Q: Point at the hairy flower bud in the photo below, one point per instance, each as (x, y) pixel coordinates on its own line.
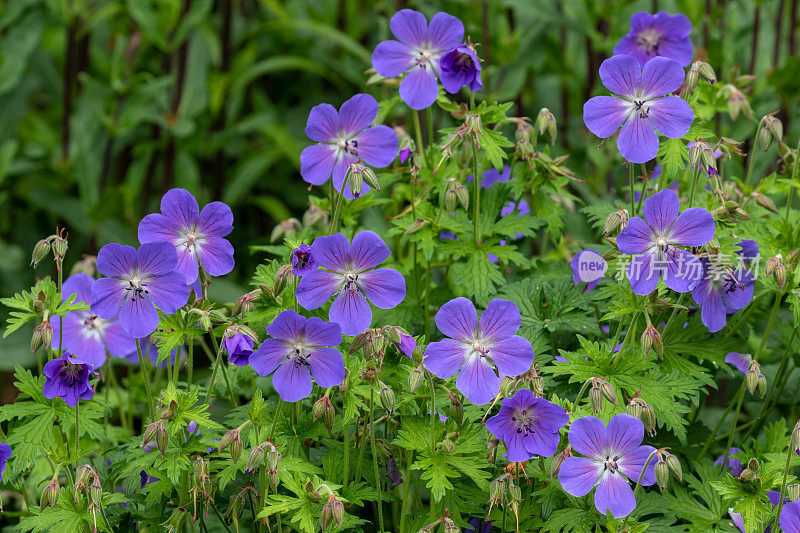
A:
(355, 178)
(415, 379)
(616, 221)
(60, 246)
(255, 459)
(450, 526)
(450, 200)
(282, 279)
(793, 492)
(463, 196)
(764, 138)
(795, 440)
(50, 493)
(244, 304)
(696, 153)
(761, 386)
(674, 464)
(42, 336)
(474, 126)
(751, 378)
(150, 433)
(775, 126)
(608, 392)
(651, 340)
(312, 493)
(558, 459)
(690, 84)
(332, 511)
(662, 474)
(456, 409)
(753, 464)
(596, 399)
(40, 252)
(285, 228)
(546, 122)
(706, 71)
(648, 418)
(737, 103)
(747, 475)
(764, 201)
(96, 492)
(324, 408)
(162, 438)
(236, 447)
(634, 409)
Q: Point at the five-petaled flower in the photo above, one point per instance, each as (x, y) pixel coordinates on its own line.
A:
(344, 138)
(302, 260)
(471, 347)
(198, 236)
(418, 51)
(642, 108)
(722, 291)
(528, 426)
(138, 282)
(298, 349)
(86, 334)
(350, 272)
(461, 67)
(615, 459)
(68, 378)
(656, 240)
(659, 35)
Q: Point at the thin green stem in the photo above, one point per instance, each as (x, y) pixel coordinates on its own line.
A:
(782, 493)
(476, 206)
(214, 372)
(695, 176)
(77, 431)
(375, 456)
(433, 411)
(407, 495)
(711, 436)
(641, 195)
(429, 121)
(751, 163)
(580, 395)
(275, 419)
(638, 484)
(733, 425)
(189, 365)
(346, 473)
(145, 378)
(338, 208)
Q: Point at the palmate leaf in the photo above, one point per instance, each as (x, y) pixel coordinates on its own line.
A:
(23, 303)
(748, 499)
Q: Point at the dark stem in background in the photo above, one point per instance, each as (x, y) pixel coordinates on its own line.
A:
(66, 97)
(793, 28)
(180, 58)
(754, 46)
(776, 51)
(594, 58)
(706, 25)
(485, 31)
(225, 66)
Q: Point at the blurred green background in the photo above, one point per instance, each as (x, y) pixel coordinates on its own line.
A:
(107, 104)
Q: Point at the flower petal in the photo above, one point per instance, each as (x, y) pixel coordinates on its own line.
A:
(478, 381)
(139, 317)
(681, 50)
(500, 424)
(694, 227)
(513, 355)
(643, 273)
(624, 433)
(541, 442)
(327, 366)
(445, 358)
(712, 311)
(117, 341)
(320, 333)
(637, 141)
(216, 254)
(661, 76)
(181, 207)
(384, 287)
(293, 382)
(587, 435)
(357, 113)
(392, 58)
(316, 163)
(187, 265)
(631, 465)
(323, 123)
(444, 32)
(661, 210)
(269, 355)
(216, 219)
(80, 285)
(671, 116)
(156, 258)
(157, 227)
(107, 296)
(604, 115)
(621, 75)
(500, 320)
(458, 319)
(742, 293)
(419, 89)
(333, 252)
(740, 360)
(116, 260)
(515, 444)
(683, 270)
(636, 237)
(409, 27)
(351, 311)
(579, 475)
(614, 494)
(168, 292)
(367, 251)
(287, 326)
(377, 146)
(317, 287)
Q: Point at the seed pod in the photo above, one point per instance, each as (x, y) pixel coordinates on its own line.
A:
(456, 409)
(40, 252)
(450, 200)
(648, 418)
(675, 465)
(415, 379)
(162, 438)
(255, 459)
(596, 399)
(662, 474)
(463, 196)
(793, 492)
(608, 392)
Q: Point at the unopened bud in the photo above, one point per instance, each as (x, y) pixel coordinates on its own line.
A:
(765, 201)
(662, 474)
(608, 392)
(236, 447)
(772, 264)
(634, 409)
(150, 433)
(450, 526)
(456, 409)
(795, 440)
(616, 220)
(312, 493)
(162, 438)
(50, 493)
(761, 386)
(753, 464)
(706, 71)
(474, 125)
(558, 460)
(42, 336)
(417, 225)
(244, 304)
(355, 179)
(415, 379)
(793, 492)
(546, 122)
(273, 460)
(463, 196)
(255, 459)
(596, 399)
(332, 512)
(648, 418)
(775, 126)
(282, 278)
(40, 252)
(764, 138)
(690, 84)
(84, 266)
(675, 465)
(651, 339)
(448, 445)
(369, 177)
(450, 200)
(747, 475)
(324, 408)
(96, 492)
(60, 246)
(751, 378)
(696, 153)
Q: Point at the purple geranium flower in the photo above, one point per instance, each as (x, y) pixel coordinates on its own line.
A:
(476, 526)
(789, 520)
(405, 153)
(239, 348)
(68, 378)
(302, 260)
(299, 346)
(740, 360)
(197, 235)
(492, 176)
(139, 282)
(735, 465)
(84, 333)
(473, 346)
(642, 108)
(721, 292)
(407, 345)
(5, 453)
(656, 238)
(417, 51)
(528, 426)
(615, 459)
(350, 272)
(461, 67)
(345, 137)
(659, 35)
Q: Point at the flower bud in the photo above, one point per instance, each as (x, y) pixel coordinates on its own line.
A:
(515, 492)
(450, 526)
(333, 511)
(463, 196)
(674, 464)
(150, 433)
(312, 493)
(634, 409)
(448, 445)
(761, 386)
(85, 266)
(793, 492)
(795, 440)
(450, 200)
(747, 475)
(162, 437)
(415, 379)
(558, 459)
(690, 84)
(764, 138)
(537, 385)
(648, 418)
(60, 246)
(546, 122)
(765, 201)
(706, 71)
(775, 126)
(596, 399)
(42, 336)
(608, 392)
(696, 153)
(96, 492)
(751, 378)
(255, 459)
(737, 103)
(50, 493)
(474, 126)
(282, 278)
(40, 252)
(753, 464)
(324, 408)
(284, 228)
(236, 447)
(244, 304)
(651, 339)
(456, 409)
(369, 177)
(662, 474)
(355, 179)
(315, 215)
(616, 220)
